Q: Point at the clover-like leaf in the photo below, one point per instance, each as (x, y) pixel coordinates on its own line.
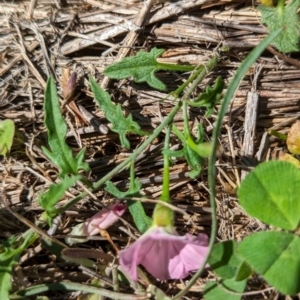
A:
(218, 291)
(283, 16)
(271, 193)
(226, 262)
(275, 256)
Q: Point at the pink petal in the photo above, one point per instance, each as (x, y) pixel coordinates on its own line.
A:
(165, 255)
(105, 218)
(102, 220)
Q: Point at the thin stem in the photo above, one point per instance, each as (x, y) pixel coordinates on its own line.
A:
(200, 76)
(174, 67)
(165, 196)
(132, 157)
(280, 4)
(70, 286)
(246, 64)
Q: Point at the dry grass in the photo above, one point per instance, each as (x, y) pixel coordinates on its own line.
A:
(51, 36)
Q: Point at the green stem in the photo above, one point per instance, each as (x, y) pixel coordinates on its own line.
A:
(164, 216)
(165, 196)
(174, 67)
(246, 64)
(132, 157)
(196, 77)
(280, 4)
(281, 136)
(70, 286)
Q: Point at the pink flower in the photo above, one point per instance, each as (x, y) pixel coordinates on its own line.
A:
(165, 254)
(102, 220)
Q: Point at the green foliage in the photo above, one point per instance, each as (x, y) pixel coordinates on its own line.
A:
(193, 159)
(227, 264)
(218, 291)
(275, 256)
(7, 131)
(49, 199)
(271, 193)
(287, 17)
(142, 67)
(9, 256)
(141, 220)
(114, 114)
(210, 97)
(60, 154)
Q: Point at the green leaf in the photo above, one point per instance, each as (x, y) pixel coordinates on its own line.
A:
(227, 264)
(114, 114)
(60, 154)
(210, 97)
(141, 220)
(275, 256)
(192, 151)
(283, 16)
(7, 131)
(142, 67)
(271, 193)
(217, 291)
(49, 199)
(9, 256)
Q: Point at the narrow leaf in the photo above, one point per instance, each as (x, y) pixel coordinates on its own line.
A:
(60, 153)
(114, 114)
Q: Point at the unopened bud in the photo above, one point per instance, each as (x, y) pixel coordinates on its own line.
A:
(69, 88)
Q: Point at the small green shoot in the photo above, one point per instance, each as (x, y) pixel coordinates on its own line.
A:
(9, 257)
(142, 67)
(210, 97)
(283, 16)
(60, 154)
(114, 114)
(7, 131)
(193, 159)
(49, 199)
